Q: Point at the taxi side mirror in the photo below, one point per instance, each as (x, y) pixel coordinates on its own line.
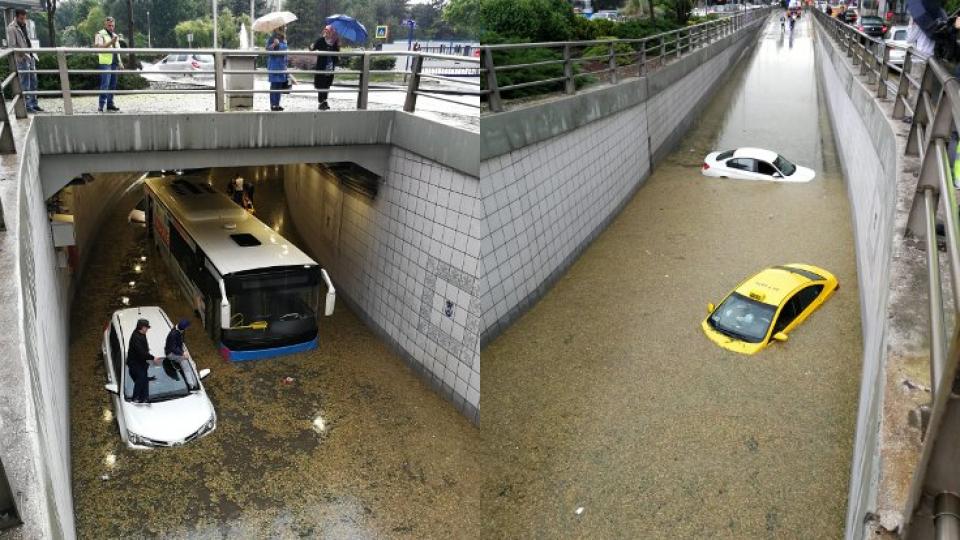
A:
(710, 308)
(204, 372)
(112, 388)
(780, 336)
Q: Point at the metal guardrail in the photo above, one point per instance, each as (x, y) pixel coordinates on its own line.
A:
(933, 105)
(413, 77)
(645, 54)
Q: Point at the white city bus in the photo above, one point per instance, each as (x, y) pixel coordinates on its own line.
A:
(256, 293)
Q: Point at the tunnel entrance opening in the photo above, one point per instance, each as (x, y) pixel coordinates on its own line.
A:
(282, 419)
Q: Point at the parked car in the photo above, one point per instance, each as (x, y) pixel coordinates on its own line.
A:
(176, 413)
(138, 216)
(850, 16)
(767, 306)
(189, 64)
(897, 38)
(754, 164)
(872, 26)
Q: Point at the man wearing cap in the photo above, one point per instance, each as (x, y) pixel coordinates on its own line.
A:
(138, 360)
(175, 351)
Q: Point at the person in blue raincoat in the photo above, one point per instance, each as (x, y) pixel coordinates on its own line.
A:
(278, 63)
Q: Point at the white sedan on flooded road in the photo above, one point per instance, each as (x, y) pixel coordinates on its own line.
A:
(754, 164)
(178, 409)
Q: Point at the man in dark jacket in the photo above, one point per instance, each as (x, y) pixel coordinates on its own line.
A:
(328, 42)
(138, 360)
(175, 352)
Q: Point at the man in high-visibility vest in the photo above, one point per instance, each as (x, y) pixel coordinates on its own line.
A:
(108, 39)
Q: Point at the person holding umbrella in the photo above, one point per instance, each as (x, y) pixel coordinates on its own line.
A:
(329, 42)
(277, 66)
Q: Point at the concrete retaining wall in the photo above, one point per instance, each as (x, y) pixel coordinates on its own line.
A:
(891, 272)
(35, 403)
(544, 201)
(400, 257)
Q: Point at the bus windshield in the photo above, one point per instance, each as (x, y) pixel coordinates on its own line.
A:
(273, 296)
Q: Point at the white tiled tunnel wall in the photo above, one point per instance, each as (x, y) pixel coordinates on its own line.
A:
(407, 259)
(543, 201)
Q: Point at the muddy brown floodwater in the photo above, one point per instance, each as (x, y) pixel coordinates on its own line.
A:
(393, 459)
(607, 396)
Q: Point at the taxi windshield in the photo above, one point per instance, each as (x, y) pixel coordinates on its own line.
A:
(742, 318)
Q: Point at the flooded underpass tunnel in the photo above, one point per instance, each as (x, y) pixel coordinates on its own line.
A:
(342, 441)
(615, 417)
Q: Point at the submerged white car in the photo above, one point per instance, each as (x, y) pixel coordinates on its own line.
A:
(754, 164)
(177, 412)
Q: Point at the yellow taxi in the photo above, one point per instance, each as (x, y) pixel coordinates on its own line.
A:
(767, 306)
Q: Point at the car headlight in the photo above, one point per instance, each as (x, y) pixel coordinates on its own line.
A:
(133, 438)
(212, 423)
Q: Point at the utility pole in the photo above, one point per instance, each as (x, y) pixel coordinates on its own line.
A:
(215, 36)
(149, 41)
(253, 17)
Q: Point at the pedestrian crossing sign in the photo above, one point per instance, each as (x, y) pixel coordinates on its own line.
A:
(383, 32)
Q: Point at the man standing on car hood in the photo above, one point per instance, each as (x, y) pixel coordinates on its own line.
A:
(138, 360)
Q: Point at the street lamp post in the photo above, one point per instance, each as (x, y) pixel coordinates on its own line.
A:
(149, 41)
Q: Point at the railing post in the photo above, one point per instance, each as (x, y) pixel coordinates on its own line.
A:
(20, 106)
(642, 59)
(493, 98)
(569, 84)
(364, 90)
(413, 86)
(679, 43)
(219, 101)
(903, 86)
(64, 81)
(613, 63)
(7, 144)
(661, 53)
(884, 72)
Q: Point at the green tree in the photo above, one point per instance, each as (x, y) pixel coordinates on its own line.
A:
(531, 20)
(464, 16)
(202, 30)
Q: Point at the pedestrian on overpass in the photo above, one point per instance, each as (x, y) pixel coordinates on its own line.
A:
(17, 38)
(327, 42)
(277, 66)
(108, 39)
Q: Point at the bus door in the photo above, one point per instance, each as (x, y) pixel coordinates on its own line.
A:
(209, 285)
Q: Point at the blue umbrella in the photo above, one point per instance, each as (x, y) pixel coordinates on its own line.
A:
(348, 28)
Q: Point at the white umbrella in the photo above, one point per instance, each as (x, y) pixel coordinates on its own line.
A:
(272, 21)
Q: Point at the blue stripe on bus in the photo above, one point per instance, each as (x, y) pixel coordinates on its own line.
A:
(242, 356)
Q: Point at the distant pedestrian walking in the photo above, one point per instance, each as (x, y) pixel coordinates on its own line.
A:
(277, 64)
(108, 39)
(328, 42)
(176, 352)
(17, 38)
(235, 189)
(138, 361)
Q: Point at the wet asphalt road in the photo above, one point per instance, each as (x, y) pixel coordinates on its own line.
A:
(393, 458)
(606, 396)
